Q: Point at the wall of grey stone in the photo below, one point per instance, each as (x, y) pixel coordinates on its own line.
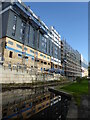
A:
(3, 26)
(13, 76)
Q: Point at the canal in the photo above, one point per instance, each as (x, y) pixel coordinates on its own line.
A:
(47, 104)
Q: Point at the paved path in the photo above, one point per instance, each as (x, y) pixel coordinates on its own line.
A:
(73, 111)
(79, 112)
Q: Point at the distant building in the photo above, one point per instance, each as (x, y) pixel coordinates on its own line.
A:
(84, 67)
(71, 61)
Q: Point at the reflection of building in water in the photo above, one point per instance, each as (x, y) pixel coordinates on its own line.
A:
(24, 105)
(84, 67)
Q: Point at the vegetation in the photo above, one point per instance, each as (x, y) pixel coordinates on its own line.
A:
(77, 89)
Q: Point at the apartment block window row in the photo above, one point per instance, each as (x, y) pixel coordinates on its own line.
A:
(22, 31)
(14, 25)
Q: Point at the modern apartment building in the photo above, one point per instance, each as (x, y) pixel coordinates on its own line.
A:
(26, 40)
(71, 61)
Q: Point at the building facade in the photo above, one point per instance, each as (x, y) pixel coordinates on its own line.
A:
(27, 42)
(71, 61)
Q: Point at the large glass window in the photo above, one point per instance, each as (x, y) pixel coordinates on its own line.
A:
(33, 37)
(38, 39)
(55, 51)
(28, 33)
(49, 46)
(44, 44)
(52, 49)
(14, 25)
(22, 31)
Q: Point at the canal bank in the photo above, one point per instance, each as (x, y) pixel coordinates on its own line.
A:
(80, 112)
(79, 106)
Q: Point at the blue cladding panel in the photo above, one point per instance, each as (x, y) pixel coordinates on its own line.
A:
(9, 48)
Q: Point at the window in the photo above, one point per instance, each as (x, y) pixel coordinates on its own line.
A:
(45, 63)
(19, 46)
(41, 55)
(30, 104)
(14, 25)
(19, 55)
(44, 98)
(34, 37)
(26, 57)
(43, 43)
(31, 51)
(10, 54)
(43, 106)
(36, 53)
(38, 39)
(52, 49)
(47, 57)
(37, 60)
(32, 58)
(25, 48)
(9, 42)
(33, 111)
(22, 30)
(48, 63)
(49, 46)
(28, 33)
(5, 114)
(41, 61)
(39, 108)
(28, 113)
(23, 106)
(47, 104)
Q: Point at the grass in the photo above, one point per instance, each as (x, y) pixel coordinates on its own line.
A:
(77, 89)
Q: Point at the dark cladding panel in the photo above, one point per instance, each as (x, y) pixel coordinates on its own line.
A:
(10, 24)
(27, 34)
(5, 5)
(14, 19)
(48, 46)
(51, 48)
(59, 53)
(31, 36)
(4, 23)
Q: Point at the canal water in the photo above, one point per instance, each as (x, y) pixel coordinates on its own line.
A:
(56, 111)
